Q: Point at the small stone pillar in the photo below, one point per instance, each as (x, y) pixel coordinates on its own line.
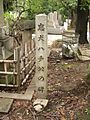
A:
(41, 55)
(55, 17)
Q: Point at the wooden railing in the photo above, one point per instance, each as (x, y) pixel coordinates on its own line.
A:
(16, 71)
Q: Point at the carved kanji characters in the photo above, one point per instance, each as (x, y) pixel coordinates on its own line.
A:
(41, 37)
(40, 68)
(41, 78)
(41, 89)
(41, 27)
(40, 58)
(40, 48)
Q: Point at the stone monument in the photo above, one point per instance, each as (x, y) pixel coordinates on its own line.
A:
(41, 55)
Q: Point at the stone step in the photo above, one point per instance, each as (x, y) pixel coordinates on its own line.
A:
(5, 105)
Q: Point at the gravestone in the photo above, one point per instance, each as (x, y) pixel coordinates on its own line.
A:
(60, 19)
(66, 26)
(55, 18)
(50, 19)
(41, 55)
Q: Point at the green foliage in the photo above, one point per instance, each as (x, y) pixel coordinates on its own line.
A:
(32, 7)
(8, 17)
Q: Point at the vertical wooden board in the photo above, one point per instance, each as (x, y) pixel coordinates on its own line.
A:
(5, 65)
(17, 57)
(41, 55)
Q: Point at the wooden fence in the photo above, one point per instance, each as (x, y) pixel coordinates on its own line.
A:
(17, 70)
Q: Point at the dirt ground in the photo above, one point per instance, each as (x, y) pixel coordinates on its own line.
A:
(68, 93)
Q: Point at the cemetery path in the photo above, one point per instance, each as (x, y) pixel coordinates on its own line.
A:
(68, 93)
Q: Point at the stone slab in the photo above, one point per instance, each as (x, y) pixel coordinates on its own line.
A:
(40, 101)
(5, 105)
(84, 58)
(31, 87)
(85, 51)
(26, 96)
(56, 31)
(18, 96)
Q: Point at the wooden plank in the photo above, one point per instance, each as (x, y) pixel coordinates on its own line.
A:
(4, 85)
(26, 77)
(27, 64)
(5, 105)
(8, 61)
(17, 57)
(8, 73)
(29, 53)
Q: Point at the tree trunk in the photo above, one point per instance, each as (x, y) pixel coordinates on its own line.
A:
(81, 24)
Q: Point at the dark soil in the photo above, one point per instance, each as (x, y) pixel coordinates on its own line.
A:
(68, 94)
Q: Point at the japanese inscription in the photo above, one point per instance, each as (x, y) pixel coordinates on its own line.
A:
(41, 55)
(40, 58)
(41, 27)
(41, 38)
(41, 89)
(41, 78)
(40, 48)
(40, 68)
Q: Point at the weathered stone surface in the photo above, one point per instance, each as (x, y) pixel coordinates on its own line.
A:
(5, 105)
(85, 51)
(26, 24)
(40, 104)
(41, 55)
(56, 31)
(84, 58)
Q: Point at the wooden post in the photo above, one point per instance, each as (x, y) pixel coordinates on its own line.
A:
(5, 64)
(17, 57)
(26, 57)
(41, 55)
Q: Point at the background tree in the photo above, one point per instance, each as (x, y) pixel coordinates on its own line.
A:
(27, 9)
(82, 20)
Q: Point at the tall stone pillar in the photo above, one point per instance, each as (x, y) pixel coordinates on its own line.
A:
(41, 55)
(1, 14)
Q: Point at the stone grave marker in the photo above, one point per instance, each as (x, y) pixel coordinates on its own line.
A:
(50, 19)
(41, 55)
(55, 18)
(65, 25)
(60, 19)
